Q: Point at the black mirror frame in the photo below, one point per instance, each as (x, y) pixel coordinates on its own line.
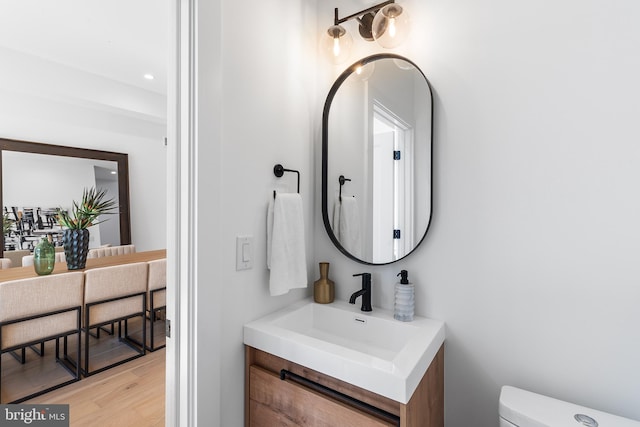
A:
(59, 150)
(325, 151)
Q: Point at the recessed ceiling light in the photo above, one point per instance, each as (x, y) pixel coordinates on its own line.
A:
(114, 173)
(149, 76)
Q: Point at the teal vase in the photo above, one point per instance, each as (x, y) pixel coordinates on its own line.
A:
(44, 257)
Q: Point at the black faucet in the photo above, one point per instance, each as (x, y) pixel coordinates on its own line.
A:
(365, 292)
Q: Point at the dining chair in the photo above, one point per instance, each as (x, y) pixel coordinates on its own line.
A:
(111, 251)
(16, 256)
(156, 296)
(37, 310)
(28, 259)
(114, 294)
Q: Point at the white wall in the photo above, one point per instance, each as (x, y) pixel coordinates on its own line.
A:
(532, 256)
(256, 108)
(46, 102)
(50, 184)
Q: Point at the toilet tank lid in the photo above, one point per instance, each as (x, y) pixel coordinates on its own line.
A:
(526, 409)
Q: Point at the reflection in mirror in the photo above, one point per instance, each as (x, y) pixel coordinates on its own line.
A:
(39, 178)
(377, 136)
(35, 185)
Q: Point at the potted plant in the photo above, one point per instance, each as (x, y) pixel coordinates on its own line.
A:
(83, 215)
(6, 225)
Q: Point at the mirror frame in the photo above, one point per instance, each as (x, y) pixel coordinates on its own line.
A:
(325, 151)
(59, 150)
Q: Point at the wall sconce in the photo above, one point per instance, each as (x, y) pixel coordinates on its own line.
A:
(387, 23)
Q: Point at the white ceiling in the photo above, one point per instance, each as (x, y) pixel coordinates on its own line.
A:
(118, 39)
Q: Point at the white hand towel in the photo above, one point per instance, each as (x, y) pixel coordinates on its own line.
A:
(269, 229)
(349, 228)
(286, 249)
(335, 220)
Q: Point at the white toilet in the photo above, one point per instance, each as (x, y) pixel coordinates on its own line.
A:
(521, 408)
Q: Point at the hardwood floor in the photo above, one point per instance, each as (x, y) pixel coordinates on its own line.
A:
(131, 394)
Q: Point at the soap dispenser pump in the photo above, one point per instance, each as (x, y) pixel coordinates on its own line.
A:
(404, 303)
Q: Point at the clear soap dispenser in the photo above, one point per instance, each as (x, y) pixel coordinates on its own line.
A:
(404, 303)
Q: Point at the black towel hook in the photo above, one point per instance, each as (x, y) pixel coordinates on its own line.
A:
(342, 180)
(279, 170)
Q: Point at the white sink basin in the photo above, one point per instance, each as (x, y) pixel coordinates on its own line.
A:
(370, 350)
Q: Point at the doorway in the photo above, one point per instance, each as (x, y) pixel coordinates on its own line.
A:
(393, 222)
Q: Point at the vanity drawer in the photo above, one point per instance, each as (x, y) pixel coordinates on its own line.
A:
(273, 401)
(310, 398)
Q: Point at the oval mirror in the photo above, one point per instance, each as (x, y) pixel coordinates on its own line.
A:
(377, 129)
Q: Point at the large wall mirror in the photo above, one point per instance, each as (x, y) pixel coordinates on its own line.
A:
(36, 179)
(376, 159)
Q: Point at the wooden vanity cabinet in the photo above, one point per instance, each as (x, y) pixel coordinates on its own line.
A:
(271, 401)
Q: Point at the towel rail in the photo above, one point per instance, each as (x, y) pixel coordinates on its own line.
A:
(342, 180)
(279, 170)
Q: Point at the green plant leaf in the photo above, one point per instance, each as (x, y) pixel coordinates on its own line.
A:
(85, 214)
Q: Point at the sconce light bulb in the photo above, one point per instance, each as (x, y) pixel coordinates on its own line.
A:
(336, 46)
(337, 42)
(390, 26)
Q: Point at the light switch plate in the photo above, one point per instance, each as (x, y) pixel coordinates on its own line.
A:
(244, 252)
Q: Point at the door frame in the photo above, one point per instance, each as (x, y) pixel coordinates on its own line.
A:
(193, 356)
(180, 390)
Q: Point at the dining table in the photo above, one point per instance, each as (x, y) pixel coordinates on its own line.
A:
(17, 273)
